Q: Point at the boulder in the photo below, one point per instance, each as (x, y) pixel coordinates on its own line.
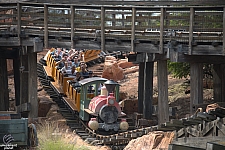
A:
(123, 63)
(112, 70)
(44, 105)
(154, 140)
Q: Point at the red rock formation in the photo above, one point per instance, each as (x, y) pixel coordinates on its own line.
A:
(154, 140)
(112, 70)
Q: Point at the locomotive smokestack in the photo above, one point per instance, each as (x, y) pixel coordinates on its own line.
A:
(110, 85)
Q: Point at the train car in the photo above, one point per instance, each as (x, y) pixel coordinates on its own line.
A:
(95, 98)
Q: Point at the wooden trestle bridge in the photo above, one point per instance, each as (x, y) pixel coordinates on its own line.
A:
(152, 31)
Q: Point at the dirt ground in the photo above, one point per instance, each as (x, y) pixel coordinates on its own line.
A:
(129, 86)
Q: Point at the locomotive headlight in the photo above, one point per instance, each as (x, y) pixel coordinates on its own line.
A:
(111, 101)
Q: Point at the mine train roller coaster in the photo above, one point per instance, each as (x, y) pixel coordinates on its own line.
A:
(93, 112)
(95, 99)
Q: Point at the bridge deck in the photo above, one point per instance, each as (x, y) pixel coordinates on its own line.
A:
(196, 30)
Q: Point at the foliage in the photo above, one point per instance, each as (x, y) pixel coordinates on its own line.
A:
(179, 69)
(50, 141)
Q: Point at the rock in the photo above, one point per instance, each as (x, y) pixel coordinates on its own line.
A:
(122, 95)
(44, 105)
(154, 140)
(9, 66)
(110, 58)
(123, 63)
(112, 70)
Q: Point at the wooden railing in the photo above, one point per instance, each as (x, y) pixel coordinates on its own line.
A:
(127, 28)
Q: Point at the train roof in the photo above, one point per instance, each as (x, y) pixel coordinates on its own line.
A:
(88, 80)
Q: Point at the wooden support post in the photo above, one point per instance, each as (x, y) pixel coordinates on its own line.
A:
(141, 86)
(72, 10)
(46, 26)
(32, 83)
(102, 28)
(223, 31)
(148, 90)
(192, 13)
(219, 82)
(163, 106)
(19, 10)
(113, 20)
(4, 93)
(123, 20)
(133, 29)
(196, 74)
(161, 43)
(24, 89)
(16, 70)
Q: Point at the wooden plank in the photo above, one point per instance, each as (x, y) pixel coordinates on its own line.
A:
(90, 112)
(46, 26)
(223, 31)
(24, 79)
(4, 95)
(72, 10)
(161, 49)
(16, 66)
(196, 74)
(182, 147)
(25, 107)
(32, 83)
(103, 29)
(163, 114)
(192, 12)
(148, 90)
(70, 104)
(135, 3)
(58, 88)
(133, 48)
(197, 142)
(141, 87)
(19, 11)
(215, 146)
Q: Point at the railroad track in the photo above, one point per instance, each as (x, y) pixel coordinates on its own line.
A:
(182, 127)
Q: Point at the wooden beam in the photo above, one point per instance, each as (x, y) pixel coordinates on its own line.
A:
(72, 10)
(135, 3)
(4, 93)
(133, 29)
(161, 43)
(180, 57)
(19, 11)
(32, 83)
(16, 70)
(24, 89)
(218, 82)
(141, 86)
(223, 31)
(24, 108)
(45, 26)
(163, 104)
(196, 74)
(148, 90)
(9, 54)
(102, 29)
(192, 13)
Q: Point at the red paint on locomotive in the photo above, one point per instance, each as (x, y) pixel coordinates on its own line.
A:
(101, 100)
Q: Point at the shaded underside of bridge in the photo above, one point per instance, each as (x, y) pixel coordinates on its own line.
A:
(150, 31)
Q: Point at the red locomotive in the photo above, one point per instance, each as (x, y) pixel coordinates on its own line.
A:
(107, 110)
